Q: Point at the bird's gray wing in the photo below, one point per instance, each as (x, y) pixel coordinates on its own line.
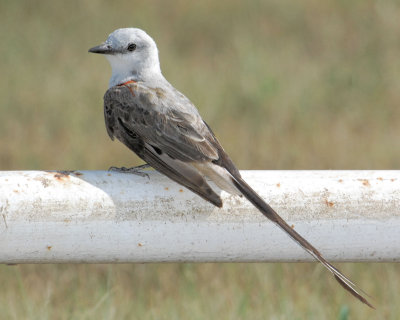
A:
(160, 121)
(157, 126)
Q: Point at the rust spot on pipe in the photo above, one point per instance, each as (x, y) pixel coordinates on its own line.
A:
(166, 188)
(278, 185)
(140, 244)
(329, 203)
(340, 180)
(49, 247)
(180, 190)
(62, 176)
(365, 182)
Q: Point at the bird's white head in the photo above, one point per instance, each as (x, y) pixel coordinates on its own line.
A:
(133, 55)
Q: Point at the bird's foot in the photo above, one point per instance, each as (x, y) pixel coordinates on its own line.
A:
(133, 170)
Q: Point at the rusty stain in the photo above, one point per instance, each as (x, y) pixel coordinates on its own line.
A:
(62, 175)
(292, 226)
(180, 190)
(67, 220)
(393, 179)
(16, 191)
(166, 188)
(109, 174)
(278, 184)
(340, 180)
(49, 247)
(140, 244)
(365, 182)
(380, 178)
(329, 203)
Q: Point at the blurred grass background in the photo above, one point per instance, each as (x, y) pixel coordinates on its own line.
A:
(284, 85)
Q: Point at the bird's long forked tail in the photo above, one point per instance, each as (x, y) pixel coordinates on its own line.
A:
(270, 213)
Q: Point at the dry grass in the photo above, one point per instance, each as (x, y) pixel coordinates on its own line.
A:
(285, 85)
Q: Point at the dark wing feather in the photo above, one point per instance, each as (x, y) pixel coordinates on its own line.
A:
(162, 137)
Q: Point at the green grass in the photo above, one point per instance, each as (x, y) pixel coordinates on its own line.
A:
(284, 85)
(193, 291)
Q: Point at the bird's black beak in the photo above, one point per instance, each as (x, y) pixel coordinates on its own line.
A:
(104, 48)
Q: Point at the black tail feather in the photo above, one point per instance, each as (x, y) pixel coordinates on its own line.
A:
(270, 213)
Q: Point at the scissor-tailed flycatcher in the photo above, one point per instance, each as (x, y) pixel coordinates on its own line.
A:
(157, 122)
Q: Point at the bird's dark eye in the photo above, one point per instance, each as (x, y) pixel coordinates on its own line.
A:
(131, 47)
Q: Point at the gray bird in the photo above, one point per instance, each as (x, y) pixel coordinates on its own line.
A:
(157, 122)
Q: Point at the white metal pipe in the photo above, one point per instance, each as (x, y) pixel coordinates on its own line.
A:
(98, 216)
